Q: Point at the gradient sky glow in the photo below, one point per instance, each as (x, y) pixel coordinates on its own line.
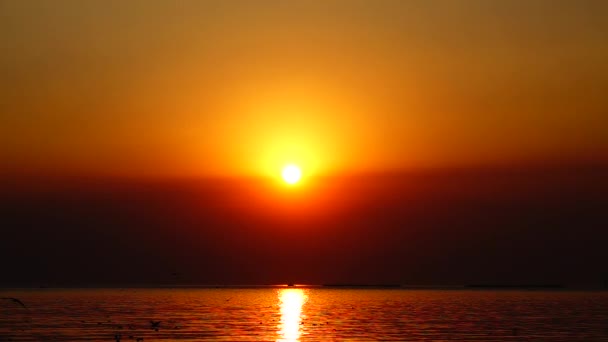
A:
(455, 142)
(242, 87)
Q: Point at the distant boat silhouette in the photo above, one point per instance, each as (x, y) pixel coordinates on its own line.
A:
(291, 284)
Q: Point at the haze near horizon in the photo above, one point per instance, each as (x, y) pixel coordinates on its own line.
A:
(262, 142)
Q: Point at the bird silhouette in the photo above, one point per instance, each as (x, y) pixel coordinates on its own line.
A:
(14, 300)
(155, 325)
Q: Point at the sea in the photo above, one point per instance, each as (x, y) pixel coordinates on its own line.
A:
(302, 314)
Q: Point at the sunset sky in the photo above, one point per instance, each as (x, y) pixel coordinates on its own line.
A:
(200, 88)
(454, 141)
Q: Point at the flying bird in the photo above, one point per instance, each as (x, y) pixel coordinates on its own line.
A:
(155, 325)
(14, 300)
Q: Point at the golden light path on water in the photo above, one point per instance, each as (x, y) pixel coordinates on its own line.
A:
(291, 302)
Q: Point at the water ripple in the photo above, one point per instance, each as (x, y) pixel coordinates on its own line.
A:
(315, 314)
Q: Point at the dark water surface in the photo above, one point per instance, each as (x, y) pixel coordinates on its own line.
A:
(294, 314)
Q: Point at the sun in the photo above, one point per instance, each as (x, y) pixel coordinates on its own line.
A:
(291, 174)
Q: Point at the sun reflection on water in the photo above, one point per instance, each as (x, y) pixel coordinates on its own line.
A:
(291, 302)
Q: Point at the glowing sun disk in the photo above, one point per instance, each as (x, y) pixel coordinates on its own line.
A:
(291, 174)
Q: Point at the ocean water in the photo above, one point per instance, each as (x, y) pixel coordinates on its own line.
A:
(302, 314)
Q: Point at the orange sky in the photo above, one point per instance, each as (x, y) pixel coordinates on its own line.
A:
(243, 87)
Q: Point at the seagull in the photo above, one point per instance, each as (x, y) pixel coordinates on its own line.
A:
(155, 325)
(14, 300)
